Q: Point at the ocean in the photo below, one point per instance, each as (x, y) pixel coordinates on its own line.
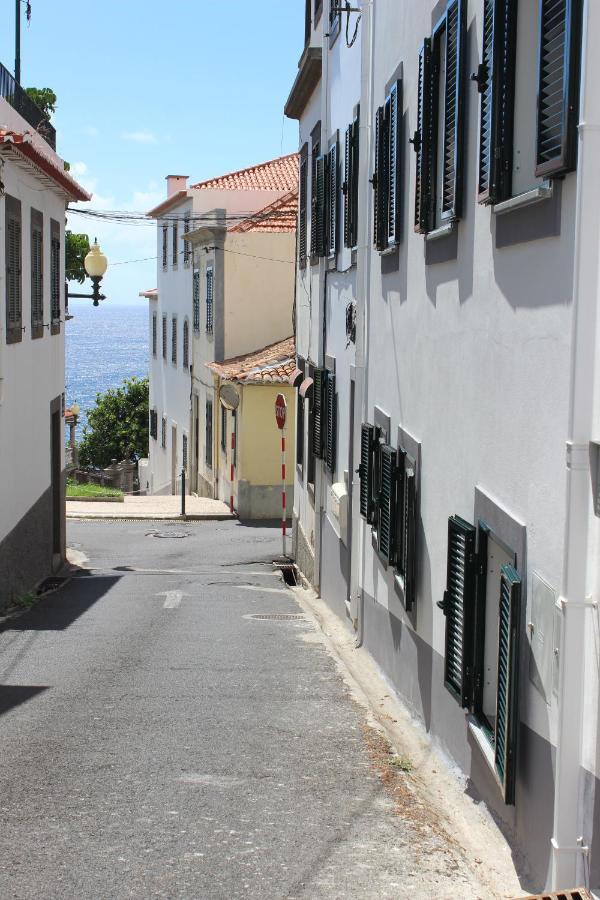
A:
(104, 345)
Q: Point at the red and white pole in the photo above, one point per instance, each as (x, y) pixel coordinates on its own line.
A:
(232, 471)
(283, 497)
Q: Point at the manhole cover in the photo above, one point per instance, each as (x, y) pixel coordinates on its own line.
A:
(277, 616)
(175, 535)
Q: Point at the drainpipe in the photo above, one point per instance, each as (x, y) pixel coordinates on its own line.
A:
(357, 574)
(578, 603)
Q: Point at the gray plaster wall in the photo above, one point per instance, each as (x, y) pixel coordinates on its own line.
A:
(334, 574)
(26, 551)
(302, 551)
(259, 501)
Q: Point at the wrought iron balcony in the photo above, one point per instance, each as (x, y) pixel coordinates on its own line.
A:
(14, 94)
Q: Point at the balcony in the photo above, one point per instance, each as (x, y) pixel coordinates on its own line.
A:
(14, 94)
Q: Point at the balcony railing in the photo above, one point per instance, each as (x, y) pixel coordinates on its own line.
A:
(14, 94)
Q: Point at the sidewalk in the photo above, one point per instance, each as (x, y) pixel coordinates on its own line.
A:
(152, 508)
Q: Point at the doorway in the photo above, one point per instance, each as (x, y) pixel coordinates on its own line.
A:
(56, 491)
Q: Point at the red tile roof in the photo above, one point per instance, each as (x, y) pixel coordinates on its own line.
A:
(270, 365)
(22, 144)
(279, 174)
(279, 216)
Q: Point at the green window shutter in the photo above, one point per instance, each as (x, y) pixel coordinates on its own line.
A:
(354, 183)
(458, 607)
(558, 86)
(13, 270)
(55, 280)
(346, 187)
(379, 182)
(496, 86)
(421, 142)
(37, 263)
(303, 199)
(196, 301)
(365, 471)
(331, 430)
(452, 149)
(393, 115)
(164, 246)
(210, 281)
(386, 506)
(317, 412)
(507, 714)
(320, 230)
(409, 536)
(332, 199)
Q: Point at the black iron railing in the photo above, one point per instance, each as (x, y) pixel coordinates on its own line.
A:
(14, 94)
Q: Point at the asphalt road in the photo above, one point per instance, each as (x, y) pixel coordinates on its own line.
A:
(158, 741)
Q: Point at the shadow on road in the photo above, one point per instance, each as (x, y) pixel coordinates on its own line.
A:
(13, 695)
(59, 610)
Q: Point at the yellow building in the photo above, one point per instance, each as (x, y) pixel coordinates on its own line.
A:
(246, 449)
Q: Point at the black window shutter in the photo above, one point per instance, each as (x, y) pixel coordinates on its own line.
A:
(453, 111)
(386, 506)
(302, 247)
(393, 116)
(365, 472)
(317, 412)
(347, 187)
(379, 182)
(330, 441)
(422, 142)
(507, 718)
(37, 267)
(320, 231)
(558, 86)
(196, 300)
(410, 536)
(354, 179)
(458, 607)
(13, 270)
(55, 285)
(332, 199)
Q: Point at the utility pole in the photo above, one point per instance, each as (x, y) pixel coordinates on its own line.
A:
(18, 41)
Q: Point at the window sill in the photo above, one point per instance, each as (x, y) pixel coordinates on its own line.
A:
(543, 192)
(389, 250)
(441, 232)
(483, 742)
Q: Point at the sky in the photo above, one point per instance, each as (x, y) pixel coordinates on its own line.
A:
(148, 88)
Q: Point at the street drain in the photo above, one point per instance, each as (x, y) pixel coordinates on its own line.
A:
(165, 535)
(288, 570)
(278, 616)
(50, 584)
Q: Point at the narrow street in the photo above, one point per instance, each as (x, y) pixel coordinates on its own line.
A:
(159, 740)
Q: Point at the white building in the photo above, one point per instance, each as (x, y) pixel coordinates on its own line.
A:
(465, 389)
(233, 197)
(34, 192)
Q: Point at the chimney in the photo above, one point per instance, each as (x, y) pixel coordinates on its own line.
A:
(176, 183)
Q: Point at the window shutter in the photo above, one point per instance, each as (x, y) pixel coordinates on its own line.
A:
(154, 336)
(365, 472)
(422, 142)
(507, 718)
(13, 270)
(174, 340)
(453, 111)
(393, 115)
(187, 253)
(354, 175)
(458, 607)
(332, 199)
(164, 337)
(330, 443)
(409, 535)
(209, 299)
(302, 203)
(558, 91)
(495, 83)
(164, 247)
(186, 344)
(347, 187)
(320, 227)
(379, 182)
(196, 300)
(37, 262)
(54, 272)
(386, 506)
(317, 412)
(175, 250)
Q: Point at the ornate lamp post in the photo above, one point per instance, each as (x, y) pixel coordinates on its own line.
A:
(95, 264)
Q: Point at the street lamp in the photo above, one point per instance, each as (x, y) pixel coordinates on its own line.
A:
(95, 264)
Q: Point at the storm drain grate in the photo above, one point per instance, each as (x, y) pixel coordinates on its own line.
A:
(166, 535)
(288, 570)
(50, 584)
(574, 894)
(278, 616)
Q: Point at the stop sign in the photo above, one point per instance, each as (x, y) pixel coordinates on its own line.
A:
(280, 410)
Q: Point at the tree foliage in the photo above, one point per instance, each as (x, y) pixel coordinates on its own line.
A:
(76, 249)
(44, 99)
(117, 426)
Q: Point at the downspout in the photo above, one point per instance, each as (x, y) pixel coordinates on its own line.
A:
(363, 262)
(578, 602)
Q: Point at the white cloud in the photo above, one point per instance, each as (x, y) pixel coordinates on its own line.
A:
(140, 137)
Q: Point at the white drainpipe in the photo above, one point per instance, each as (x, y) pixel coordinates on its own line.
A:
(578, 602)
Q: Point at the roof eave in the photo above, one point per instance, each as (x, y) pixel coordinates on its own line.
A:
(309, 75)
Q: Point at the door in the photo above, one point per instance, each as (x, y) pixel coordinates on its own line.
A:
(56, 485)
(174, 459)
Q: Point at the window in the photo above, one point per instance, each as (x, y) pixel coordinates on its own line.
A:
(332, 199)
(175, 249)
(330, 422)
(164, 247)
(209, 299)
(316, 240)
(300, 420)
(387, 174)
(482, 609)
(184, 452)
(235, 436)
(438, 140)
(325, 204)
(317, 416)
(187, 250)
(163, 433)
(350, 186)
(164, 337)
(37, 278)
(153, 424)
(223, 429)
(303, 199)
(186, 344)
(174, 340)
(14, 300)
(335, 20)
(55, 279)
(209, 434)
(196, 301)
(511, 97)
(154, 334)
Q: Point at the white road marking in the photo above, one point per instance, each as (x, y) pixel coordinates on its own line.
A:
(262, 590)
(173, 599)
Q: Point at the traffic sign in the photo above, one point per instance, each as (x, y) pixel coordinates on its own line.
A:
(280, 411)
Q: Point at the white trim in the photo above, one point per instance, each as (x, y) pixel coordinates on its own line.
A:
(442, 231)
(543, 192)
